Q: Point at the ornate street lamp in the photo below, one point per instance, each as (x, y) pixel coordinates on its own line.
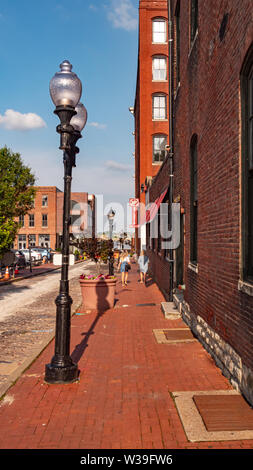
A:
(110, 217)
(65, 91)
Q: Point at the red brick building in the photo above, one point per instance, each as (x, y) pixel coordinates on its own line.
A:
(151, 100)
(212, 165)
(43, 223)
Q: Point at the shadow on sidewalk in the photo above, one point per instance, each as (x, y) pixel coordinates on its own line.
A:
(15, 289)
(100, 299)
(149, 281)
(80, 348)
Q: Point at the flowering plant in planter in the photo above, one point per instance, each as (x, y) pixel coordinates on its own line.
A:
(97, 250)
(91, 277)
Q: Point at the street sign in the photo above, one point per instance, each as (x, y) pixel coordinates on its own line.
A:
(133, 202)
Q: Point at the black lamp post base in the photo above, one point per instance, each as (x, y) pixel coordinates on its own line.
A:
(61, 375)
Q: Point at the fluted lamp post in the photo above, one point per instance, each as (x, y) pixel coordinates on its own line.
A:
(110, 217)
(65, 91)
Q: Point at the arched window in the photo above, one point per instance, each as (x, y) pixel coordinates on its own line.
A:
(159, 106)
(159, 31)
(159, 143)
(194, 18)
(159, 68)
(194, 200)
(247, 165)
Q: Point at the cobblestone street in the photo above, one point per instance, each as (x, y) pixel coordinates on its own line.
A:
(28, 324)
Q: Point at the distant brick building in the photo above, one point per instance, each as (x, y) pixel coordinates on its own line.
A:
(212, 155)
(43, 223)
(151, 100)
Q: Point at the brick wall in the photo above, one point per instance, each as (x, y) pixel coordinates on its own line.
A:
(54, 212)
(159, 264)
(79, 209)
(145, 126)
(37, 211)
(207, 103)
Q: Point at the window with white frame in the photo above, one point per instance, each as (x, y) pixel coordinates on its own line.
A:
(159, 68)
(31, 220)
(21, 242)
(159, 31)
(44, 240)
(159, 108)
(32, 240)
(159, 143)
(44, 201)
(44, 220)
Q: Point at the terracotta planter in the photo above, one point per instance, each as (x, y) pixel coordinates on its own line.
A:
(98, 294)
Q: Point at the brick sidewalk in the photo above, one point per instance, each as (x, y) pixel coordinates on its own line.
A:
(124, 397)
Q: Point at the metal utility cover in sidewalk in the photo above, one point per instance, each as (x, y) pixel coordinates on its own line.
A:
(214, 419)
(174, 335)
(225, 413)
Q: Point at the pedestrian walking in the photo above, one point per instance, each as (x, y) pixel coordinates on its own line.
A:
(124, 266)
(143, 262)
(134, 257)
(116, 257)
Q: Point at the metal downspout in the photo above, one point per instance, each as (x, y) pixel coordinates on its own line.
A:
(171, 143)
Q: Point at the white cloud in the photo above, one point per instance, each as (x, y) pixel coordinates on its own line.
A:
(97, 125)
(116, 166)
(93, 7)
(13, 120)
(115, 187)
(123, 15)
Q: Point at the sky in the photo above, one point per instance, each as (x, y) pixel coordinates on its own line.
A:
(100, 39)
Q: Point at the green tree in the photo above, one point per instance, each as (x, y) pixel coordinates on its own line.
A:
(16, 195)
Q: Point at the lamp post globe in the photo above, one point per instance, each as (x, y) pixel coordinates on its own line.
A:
(79, 120)
(111, 214)
(65, 90)
(65, 86)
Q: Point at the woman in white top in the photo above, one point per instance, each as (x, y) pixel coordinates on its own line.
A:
(123, 266)
(143, 264)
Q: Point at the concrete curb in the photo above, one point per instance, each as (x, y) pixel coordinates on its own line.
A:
(33, 354)
(16, 279)
(14, 376)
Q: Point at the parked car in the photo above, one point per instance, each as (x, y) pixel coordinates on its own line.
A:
(20, 260)
(12, 258)
(43, 251)
(35, 255)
